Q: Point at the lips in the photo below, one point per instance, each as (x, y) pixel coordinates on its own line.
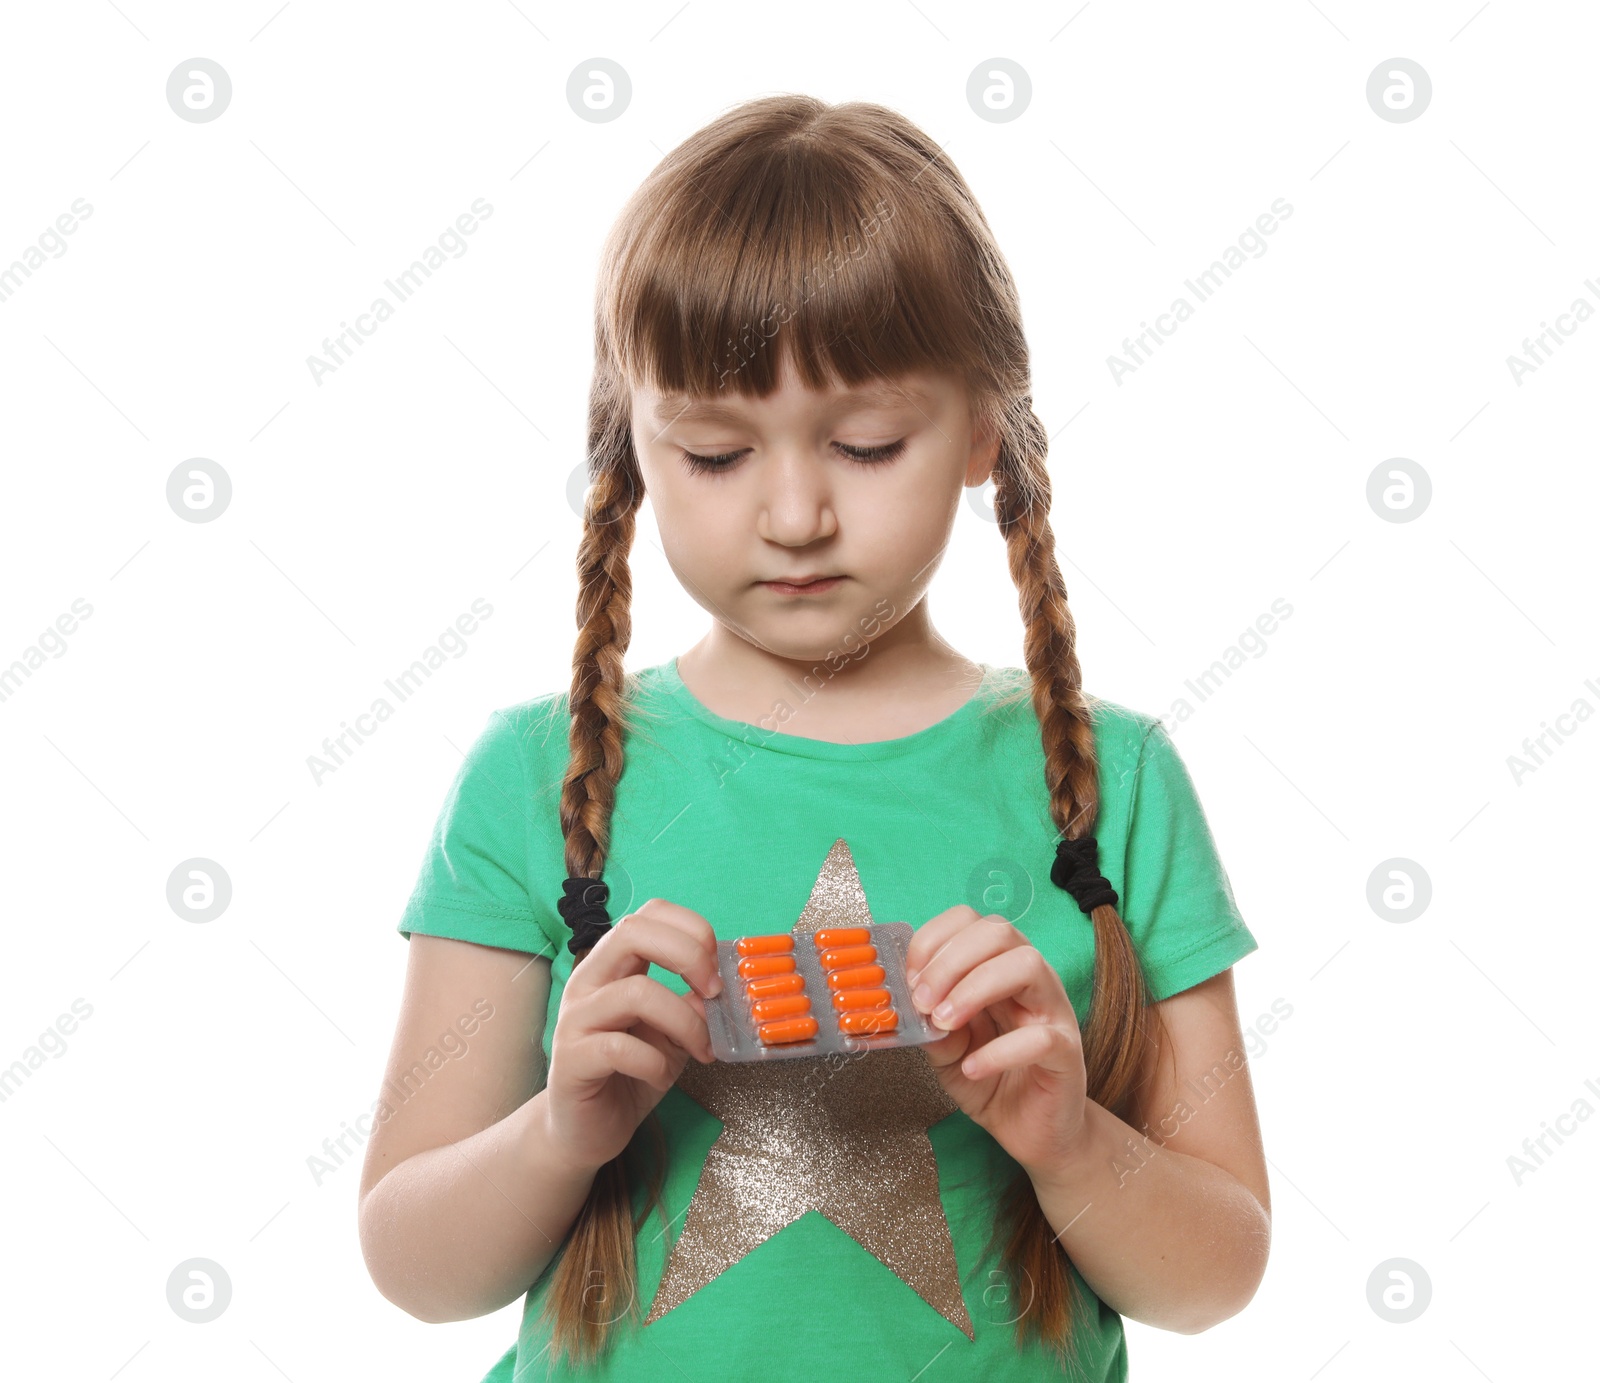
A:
(804, 585)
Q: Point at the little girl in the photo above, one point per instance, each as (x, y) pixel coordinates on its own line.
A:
(807, 345)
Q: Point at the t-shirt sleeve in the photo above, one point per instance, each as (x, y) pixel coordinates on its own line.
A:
(474, 881)
(1177, 902)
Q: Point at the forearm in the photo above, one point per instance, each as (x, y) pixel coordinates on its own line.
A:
(462, 1230)
(1163, 1238)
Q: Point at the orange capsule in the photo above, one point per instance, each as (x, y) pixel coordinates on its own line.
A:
(787, 1030)
(869, 1020)
(855, 977)
(768, 985)
(764, 945)
(842, 936)
(751, 966)
(782, 1006)
(860, 998)
(839, 956)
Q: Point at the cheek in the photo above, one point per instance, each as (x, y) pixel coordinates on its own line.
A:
(697, 524)
(910, 520)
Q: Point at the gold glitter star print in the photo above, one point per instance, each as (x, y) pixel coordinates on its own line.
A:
(845, 1136)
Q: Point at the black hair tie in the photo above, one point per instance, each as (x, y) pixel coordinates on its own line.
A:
(583, 908)
(1077, 869)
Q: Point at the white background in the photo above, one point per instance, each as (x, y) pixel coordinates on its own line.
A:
(369, 511)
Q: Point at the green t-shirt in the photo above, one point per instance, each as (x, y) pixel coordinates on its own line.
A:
(736, 821)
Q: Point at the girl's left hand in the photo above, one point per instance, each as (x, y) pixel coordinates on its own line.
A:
(1013, 1057)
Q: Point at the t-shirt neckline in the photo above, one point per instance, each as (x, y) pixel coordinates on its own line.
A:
(760, 737)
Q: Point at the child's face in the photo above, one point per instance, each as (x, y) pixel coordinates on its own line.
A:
(789, 501)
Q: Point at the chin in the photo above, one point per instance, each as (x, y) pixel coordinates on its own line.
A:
(840, 642)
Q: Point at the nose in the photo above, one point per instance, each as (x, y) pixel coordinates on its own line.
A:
(796, 498)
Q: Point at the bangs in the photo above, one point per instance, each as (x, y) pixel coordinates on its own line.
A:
(827, 241)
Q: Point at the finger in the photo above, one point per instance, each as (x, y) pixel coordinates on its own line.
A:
(932, 935)
(660, 933)
(1040, 1045)
(983, 1028)
(969, 947)
(1018, 977)
(604, 1054)
(676, 1056)
(640, 999)
(949, 1049)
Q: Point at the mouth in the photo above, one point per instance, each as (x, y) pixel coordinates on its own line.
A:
(811, 586)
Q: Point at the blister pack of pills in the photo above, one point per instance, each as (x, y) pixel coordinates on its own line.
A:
(837, 989)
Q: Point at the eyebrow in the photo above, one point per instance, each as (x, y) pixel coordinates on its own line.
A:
(679, 409)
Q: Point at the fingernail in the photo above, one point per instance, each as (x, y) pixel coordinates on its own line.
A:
(921, 995)
(911, 976)
(943, 1012)
(715, 987)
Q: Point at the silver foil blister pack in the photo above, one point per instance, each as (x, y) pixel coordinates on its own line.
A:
(739, 1018)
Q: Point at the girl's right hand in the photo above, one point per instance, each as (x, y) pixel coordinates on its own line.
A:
(622, 1039)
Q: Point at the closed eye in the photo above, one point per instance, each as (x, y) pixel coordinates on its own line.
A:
(867, 456)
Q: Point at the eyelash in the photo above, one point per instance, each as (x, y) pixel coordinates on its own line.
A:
(866, 456)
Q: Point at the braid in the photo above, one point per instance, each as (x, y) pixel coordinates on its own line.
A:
(598, 1265)
(1120, 1024)
(605, 626)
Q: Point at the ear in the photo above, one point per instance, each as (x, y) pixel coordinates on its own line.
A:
(985, 452)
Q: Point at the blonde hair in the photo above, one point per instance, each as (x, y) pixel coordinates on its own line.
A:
(843, 235)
